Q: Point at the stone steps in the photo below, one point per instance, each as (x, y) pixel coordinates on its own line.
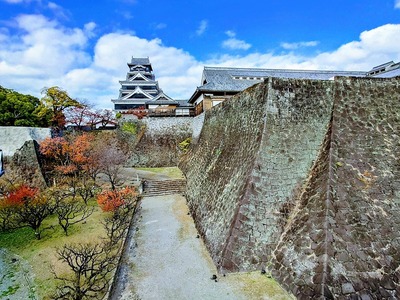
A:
(164, 187)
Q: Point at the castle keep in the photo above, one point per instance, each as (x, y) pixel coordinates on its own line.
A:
(141, 92)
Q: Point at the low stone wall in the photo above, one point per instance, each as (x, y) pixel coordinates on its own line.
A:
(303, 177)
(158, 147)
(13, 137)
(168, 126)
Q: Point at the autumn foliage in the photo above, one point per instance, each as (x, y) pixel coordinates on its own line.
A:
(111, 200)
(69, 154)
(19, 196)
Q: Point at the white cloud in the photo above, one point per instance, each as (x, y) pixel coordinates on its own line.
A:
(230, 33)
(233, 43)
(59, 11)
(397, 4)
(160, 26)
(202, 27)
(43, 48)
(293, 46)
(44, 53)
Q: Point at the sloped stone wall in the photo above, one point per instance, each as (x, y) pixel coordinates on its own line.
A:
(26, 162)
(253, 154)
(344, 240)
(304, 177)
(297, 113)
(215, 167)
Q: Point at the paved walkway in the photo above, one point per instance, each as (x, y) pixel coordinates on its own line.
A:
(165, 260)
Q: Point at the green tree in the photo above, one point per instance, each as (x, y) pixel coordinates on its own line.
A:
(55, 101)
(20, 110)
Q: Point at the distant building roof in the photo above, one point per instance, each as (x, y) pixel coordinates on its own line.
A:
(216, 79)
(388, 74)
(184, 103)
(389, 69)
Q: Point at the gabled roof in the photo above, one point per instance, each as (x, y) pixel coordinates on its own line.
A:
(237, 79)
(137, 90)
(162, 99)
(139, 75)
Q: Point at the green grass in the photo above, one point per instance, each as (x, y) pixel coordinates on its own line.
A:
(10, 291)
(172, 172)
(41, 254)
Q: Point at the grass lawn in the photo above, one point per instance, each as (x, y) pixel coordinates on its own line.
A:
(41, 254)
(172, 172)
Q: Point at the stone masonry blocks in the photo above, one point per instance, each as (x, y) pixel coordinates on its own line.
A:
(303, 176)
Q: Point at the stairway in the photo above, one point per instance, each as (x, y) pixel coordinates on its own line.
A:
(163, 187)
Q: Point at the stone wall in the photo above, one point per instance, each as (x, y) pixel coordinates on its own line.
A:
(158, 147)
(302, 177)
(297, 113)
(198, 122)
(26, 162)
(344, 239)
(12, 137)
(267, 137)
(216, 168)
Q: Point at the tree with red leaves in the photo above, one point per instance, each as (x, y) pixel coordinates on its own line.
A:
(30, 207)
(111, 200)
(70, 155)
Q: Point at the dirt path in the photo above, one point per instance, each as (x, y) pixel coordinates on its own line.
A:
(166, 260)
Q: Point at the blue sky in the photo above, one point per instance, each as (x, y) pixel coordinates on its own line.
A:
(83, 46)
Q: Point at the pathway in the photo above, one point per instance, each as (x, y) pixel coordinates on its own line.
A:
(166, 260)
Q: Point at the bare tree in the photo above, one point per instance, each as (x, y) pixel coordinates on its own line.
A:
(70, 212)
(117, 225)
(91, 265)
(87, 189)
(111, 164)
(107, 116)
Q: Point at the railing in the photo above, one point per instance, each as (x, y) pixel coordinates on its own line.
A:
(170, 113)
(159, 113)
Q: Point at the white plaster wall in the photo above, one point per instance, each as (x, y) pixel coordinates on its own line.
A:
(12, 138)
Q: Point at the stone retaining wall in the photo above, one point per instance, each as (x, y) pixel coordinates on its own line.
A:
(158, 147)
(303, 177)
(344, 239)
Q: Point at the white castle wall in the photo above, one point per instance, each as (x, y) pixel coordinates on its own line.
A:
(12, 137)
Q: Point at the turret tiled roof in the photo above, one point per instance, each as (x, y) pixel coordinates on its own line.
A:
(140, 61)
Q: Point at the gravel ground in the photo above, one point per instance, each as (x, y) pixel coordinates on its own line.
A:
(166, 260)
